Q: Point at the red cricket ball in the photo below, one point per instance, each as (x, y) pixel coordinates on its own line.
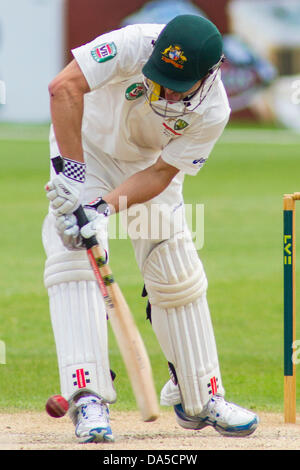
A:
(57, 406)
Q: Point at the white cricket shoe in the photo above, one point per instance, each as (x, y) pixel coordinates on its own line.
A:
(227, 418)
(92, 420)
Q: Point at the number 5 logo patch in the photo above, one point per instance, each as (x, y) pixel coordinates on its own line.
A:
(104, 52)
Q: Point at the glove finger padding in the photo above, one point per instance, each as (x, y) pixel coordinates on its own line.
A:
(68, 230)
(65, 222)
(71, 235)
(97, 213)
(96, 227)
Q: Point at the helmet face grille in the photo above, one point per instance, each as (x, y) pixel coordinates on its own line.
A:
(160, 105)
(174, 109)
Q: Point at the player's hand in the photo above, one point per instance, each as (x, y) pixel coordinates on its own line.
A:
(70, 233)
(97, 212)
(65, 190)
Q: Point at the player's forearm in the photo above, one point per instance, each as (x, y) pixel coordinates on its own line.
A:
(140, 187)
(66, 102)
(136, 190)
(66, 113)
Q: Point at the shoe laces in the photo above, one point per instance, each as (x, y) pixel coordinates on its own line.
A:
(218, 407)
(93, 410)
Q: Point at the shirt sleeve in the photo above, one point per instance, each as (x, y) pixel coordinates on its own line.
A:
(114, 56)
(190, 151)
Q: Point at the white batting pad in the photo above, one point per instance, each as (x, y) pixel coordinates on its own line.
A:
(176, 286)
(79, 324)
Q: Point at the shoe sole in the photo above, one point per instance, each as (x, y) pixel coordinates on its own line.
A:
(192, 425)
(187, 422)
(96, 436)
(241, 431)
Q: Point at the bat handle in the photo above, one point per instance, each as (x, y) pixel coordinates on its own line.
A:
(83, 220)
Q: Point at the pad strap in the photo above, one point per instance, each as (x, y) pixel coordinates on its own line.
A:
(67, 267)
(173, 273)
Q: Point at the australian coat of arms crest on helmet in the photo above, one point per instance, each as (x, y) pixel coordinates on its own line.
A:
(174, 55)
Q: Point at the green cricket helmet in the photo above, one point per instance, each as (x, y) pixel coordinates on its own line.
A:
(188, 49)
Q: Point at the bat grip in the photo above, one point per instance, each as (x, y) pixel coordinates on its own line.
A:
(83, 220)
(80, 215)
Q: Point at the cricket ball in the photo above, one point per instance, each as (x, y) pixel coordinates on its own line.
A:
(57, 406)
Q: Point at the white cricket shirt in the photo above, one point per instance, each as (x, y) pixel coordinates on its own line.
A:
(118, 119)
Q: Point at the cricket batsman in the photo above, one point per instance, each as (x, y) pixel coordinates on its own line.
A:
(134, 112)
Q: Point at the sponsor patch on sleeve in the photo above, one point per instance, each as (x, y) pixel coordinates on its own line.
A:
(135, 91)
(104, 52)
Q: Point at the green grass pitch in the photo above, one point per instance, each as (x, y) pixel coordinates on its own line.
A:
(241, 188)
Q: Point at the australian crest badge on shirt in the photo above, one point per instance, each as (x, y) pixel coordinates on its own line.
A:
(104, 52)
(180, 124)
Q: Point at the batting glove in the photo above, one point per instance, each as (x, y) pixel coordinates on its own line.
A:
(70, 233)
(65, 190)
(68, 230)
(98, 222)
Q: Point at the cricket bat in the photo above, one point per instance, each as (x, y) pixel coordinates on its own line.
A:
(128, 337)
(129, 340)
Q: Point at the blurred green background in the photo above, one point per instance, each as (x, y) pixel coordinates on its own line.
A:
(241, 188)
